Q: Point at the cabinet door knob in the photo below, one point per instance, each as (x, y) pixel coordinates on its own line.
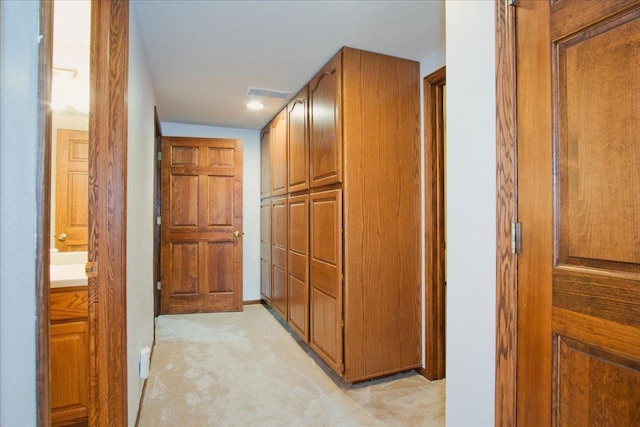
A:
(62, 237)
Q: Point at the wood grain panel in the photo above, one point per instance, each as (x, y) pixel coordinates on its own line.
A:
(297, 122)
(382, 214)
(184, 268)
(326, 333)
(221, 200)
(185, 155)
(265, 251)
(610, 396)
(279, 291)
(68, 305)
(265, 163)
(600, 183)
(219, 267)
(298, 265)
(107, 211)
(278, 143)
(184, 201)
(325, 124)
(221, 157)
(574, 15)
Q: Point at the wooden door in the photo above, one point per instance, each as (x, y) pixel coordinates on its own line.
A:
(201, 225)
(265, 163)
(298, 265)
(298, 142)
(278, 144)
(265, 251)
(325, 124)
(326, 329)
(279, 256)
(579, 204)
(72, 190)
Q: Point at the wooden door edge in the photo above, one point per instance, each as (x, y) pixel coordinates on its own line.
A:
(506, 214)
(434, 333)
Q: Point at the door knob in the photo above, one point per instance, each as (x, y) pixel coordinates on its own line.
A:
(62, 237)
(236, 233)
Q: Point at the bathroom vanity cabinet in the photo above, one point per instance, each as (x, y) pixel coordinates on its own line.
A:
(345, 232)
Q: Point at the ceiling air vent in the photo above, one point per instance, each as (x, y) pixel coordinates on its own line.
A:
(268, 93)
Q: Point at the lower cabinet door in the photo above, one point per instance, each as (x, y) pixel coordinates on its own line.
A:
(298, 265)
(279, 256)
(69, 372)
(326, 277)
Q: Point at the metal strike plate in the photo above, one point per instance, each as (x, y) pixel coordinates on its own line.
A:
(91, 269)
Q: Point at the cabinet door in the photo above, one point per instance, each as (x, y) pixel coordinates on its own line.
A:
(265, 251)
(279, 256)
(298, 265)
(325, 137)
(298, 142)
(326, 277)
(69, 371)
(279, 154)
(265, 163)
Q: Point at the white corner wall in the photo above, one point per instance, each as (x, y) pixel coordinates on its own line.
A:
(140, 212)
(19, 22)
(471, 219)
(250, 194)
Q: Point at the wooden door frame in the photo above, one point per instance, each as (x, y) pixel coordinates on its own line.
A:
(157, 209)
(107, 212)
(506, 214)
(434, 146)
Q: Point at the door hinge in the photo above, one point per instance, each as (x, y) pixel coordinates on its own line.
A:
(159, 285)
(159, 155)
(159, 220)
(513, 3)
(516, 237)
(91, 269)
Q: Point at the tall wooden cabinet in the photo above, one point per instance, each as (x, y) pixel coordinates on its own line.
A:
(354, 283)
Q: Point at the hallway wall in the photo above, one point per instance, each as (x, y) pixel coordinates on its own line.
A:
(250, 194)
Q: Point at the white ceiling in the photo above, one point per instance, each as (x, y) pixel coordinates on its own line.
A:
(203, 55)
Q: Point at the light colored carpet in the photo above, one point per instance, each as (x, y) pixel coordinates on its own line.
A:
(245, 369)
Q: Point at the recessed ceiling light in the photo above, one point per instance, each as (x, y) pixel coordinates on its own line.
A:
(255, 105)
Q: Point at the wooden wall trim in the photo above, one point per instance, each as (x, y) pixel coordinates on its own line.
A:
(43, 226)
(107, 211)
(434, 333)
(506, 213)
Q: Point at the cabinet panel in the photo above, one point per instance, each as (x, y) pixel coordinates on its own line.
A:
(69, 371)
(265, 163)
(265, 251)
(278, 143)
(279, 256)
(326, 276)
(298, 142)
(298, 265)
(325, 134)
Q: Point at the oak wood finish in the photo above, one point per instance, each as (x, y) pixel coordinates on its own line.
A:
(72, 187)
(157, 197)
(265, 251)
(298, 264)
(201, 211)
(298, 142)
(381, 129)
(506, 214)
(325, 258)
(43, 220)
(279, 293)
(435, 245)
(278, 147)
(578, 338)
(107, 212)
(325, 124)
(265, 163)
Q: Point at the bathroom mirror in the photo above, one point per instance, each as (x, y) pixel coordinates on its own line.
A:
(70, 124)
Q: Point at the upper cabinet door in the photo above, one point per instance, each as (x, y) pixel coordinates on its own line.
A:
(265, 163)
(279, 154)
(325, 94)
(298, 142)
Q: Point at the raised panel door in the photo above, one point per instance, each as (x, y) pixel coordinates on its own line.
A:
(265, 251)
(298, 265)
(326, 332)
(325, 125)
(298, 142)
(278, 142)
(265, 163)
(279, 256)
